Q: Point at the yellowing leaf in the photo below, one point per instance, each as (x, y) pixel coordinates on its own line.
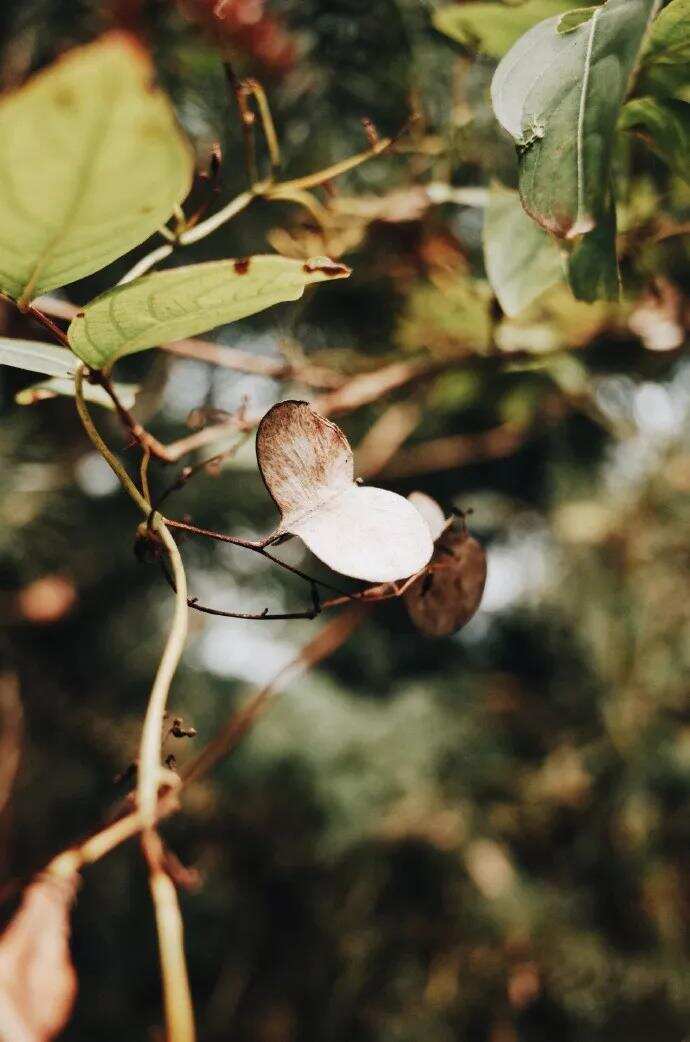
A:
(181, 302)
(449, 592)
(91, 163)
(37, 980)
(307, 466)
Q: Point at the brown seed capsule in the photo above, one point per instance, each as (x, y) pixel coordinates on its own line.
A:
(448, 594)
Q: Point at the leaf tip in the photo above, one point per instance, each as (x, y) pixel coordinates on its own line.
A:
(325, 266)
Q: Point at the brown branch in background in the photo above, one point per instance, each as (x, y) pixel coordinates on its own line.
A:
(456, 451)
(384, 438)
(260, 365)
(370, 387)
(11, 737)
(327, 641)
(247, 120)
(254, 88)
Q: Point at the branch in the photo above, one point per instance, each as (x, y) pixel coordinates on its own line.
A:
(456, 451)
(149, 749)
(179, 1012)
(177, 997)
(259, 365)
(12, 730)
(326, 642)
(330, 638)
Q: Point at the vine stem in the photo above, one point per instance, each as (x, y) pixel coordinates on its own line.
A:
(149, 748)
(179, 1012)
(101, 447)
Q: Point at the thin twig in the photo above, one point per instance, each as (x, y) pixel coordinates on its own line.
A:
(178, 1004)
(327, 641)
(11, 740)
(177, 998)
(247, 119)
(258, 546)
(457, 451)
(263, 616)
(267, 124)
(260, 365)
(45, 321)
(149, 748)
(147, 262)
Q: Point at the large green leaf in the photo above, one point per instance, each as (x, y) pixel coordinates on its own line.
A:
(559, 96)
(493, 28)
(91, 163)
(182, 302)
(521, 259)
(665, 126)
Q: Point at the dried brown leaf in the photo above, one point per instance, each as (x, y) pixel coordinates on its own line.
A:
(307, 466)
(448, 594)
(37, 980)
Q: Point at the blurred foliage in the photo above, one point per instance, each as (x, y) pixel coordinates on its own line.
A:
(484, 837)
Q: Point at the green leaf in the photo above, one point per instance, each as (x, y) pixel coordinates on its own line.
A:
(521, 260)
(182, 302)
(91, 163)
(666, 58)
(37, 357)
(559, 96)
(573, 19)
(668, 42)
(665, 126)
(493, 28)
(93, 393)
(593, 272)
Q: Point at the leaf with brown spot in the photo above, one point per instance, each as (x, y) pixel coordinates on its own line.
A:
(181, 302)
(37, 980)
(307, 466)
(446, 597)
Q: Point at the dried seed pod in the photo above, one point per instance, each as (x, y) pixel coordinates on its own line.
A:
(307, 466)
(449, 592)
(430, 511)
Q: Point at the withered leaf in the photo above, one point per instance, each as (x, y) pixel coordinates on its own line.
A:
(38, 983)
(307, 466)
(448, 594)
